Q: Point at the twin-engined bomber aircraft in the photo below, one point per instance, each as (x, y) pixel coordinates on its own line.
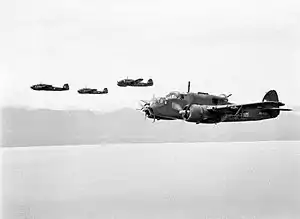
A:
(48, 87)
(92, 91)
(206, 108)
(135, 83)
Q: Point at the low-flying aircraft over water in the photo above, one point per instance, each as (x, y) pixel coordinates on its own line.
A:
(207, 108)
(92, 91)
(48, 87)
(135, 83)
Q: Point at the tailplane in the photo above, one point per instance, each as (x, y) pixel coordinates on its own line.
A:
(105, 90)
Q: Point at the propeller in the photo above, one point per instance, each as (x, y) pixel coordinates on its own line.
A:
(143, 106)
(177, 107)
(181, 111)
(226, 96)
(145, 101)
(153, 98)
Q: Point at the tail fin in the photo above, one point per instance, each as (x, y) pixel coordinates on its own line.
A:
(271, 96)
(66, 86)
(150, 81)
(105, 90)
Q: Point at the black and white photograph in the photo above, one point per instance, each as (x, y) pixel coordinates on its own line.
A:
(135, 109)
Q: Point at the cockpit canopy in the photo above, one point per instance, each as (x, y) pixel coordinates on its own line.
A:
(174, 95)
(158, 100)
(42, 85)
(171, 95)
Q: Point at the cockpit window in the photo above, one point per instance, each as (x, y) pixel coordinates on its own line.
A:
(160, 100)
(173, 95)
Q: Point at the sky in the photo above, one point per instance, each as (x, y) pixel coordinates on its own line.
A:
(241, 47)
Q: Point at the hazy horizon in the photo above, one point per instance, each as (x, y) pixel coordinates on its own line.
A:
(25, 127)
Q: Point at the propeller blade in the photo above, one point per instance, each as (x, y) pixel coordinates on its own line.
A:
(182, 112)
(143, 106)
(176, 106)
(145, 101)
(153, 118)
(226, 96)
(153, 98)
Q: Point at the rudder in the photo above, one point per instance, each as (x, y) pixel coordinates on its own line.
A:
(271, 96)
(66, 86)
(150, 81)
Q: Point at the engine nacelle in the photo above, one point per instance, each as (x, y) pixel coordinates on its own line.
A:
(196, 113)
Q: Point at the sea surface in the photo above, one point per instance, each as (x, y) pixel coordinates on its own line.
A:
(137, 181)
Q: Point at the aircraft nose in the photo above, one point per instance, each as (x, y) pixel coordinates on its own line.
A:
(150, 110)
(154, 107)
(152, 103)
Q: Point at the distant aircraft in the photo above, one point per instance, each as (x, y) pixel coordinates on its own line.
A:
(92, 91)
(206, 108)
(135, 83)
(47, 87)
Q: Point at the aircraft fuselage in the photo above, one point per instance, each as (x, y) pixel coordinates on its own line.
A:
(47, 87)
(209, 109)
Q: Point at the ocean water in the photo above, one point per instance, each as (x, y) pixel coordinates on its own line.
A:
(136, 181)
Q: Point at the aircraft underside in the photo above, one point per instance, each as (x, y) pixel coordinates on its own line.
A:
(140, 85)
(246, 116)
(50, 89)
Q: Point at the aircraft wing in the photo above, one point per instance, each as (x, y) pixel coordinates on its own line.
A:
(138, 80)
(235, 108)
